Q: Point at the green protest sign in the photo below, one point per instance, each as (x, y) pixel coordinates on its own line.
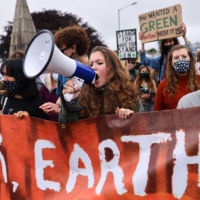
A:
(161, 24)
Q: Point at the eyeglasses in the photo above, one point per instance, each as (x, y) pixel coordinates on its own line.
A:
(62, 50)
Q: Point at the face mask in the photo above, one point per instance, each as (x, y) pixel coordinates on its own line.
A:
(167, 49)
(11, 87)
(181, 66)
(71, 55)
(144, 75)
(55, 77)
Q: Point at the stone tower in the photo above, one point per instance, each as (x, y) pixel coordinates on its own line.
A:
(23, 27)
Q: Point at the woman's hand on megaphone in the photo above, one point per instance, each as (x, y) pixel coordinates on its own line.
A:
(71, 88)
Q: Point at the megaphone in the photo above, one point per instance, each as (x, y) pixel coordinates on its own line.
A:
(43, 56)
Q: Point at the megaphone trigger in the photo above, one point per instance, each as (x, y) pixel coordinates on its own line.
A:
(77, 82)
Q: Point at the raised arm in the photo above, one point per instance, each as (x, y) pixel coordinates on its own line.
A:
(187, 43)
(154, 63)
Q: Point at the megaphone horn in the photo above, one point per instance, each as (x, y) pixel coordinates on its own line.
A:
(43, 56)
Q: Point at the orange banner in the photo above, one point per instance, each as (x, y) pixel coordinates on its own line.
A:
(148, 156)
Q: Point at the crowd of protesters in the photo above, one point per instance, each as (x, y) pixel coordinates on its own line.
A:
(153, 84)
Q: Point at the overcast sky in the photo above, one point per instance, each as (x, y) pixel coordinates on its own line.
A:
(103, 14)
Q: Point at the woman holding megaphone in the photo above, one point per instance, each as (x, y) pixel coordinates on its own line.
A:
(112, 92)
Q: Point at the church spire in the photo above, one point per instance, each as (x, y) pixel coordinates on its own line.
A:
(23, 27)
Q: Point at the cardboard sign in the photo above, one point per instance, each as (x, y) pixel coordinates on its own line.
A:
(126, 44)
(148, 156)
(161, 24)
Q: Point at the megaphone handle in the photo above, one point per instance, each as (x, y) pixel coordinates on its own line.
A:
(77, 82)
(70, 109)
(67, 108)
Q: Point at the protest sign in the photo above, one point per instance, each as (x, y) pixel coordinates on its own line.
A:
(153, 155)
(161, 24)
(126, 44)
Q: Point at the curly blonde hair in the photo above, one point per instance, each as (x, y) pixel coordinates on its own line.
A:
(119, 90)
(171, 77)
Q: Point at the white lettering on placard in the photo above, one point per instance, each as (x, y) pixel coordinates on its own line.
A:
(41, 164)
(110, 166)
(88, 171)
(3, 163)
(180, 170)
(140, 176)
(15, 186)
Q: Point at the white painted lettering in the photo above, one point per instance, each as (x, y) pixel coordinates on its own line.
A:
(180, 170)
(88, 171)
(111, 166)
(40, 164)
(140, 176)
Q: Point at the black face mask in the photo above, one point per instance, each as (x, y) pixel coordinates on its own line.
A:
(11, 87)
(71, 55)
(144, 75)
(168, 48)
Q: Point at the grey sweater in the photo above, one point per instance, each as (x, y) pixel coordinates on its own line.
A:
(190, 100)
